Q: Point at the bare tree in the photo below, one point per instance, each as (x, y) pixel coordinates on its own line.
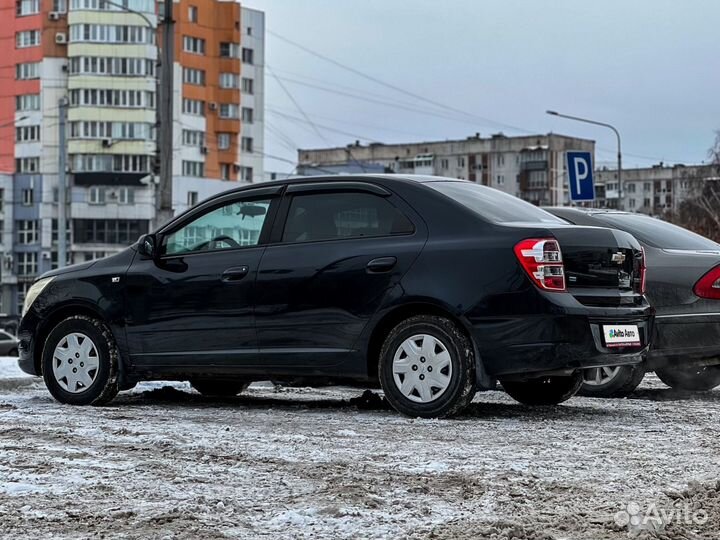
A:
(700, 210)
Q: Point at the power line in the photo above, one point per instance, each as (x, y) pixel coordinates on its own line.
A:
(392, 86)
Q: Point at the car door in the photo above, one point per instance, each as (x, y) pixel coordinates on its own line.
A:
(337, 252)
(7, 343)
(191, 305)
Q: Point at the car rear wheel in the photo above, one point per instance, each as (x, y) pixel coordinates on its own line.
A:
(80, 362)
(611, 382)
(544, 390)
(695, 378)
(427, 367)
(219, 387)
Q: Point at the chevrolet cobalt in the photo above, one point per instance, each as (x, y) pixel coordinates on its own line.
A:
(432, 288)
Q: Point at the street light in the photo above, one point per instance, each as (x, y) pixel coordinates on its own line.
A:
(619, 151)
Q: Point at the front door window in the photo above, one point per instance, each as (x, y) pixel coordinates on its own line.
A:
(231, 226)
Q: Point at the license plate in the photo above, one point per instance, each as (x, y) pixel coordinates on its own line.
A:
(621, 335)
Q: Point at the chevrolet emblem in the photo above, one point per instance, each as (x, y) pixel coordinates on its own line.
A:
(618, 257)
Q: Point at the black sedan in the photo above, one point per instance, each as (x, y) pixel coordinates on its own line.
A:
(431, 287)
(683, 284)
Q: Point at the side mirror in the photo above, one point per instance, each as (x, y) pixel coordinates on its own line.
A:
(147, 245)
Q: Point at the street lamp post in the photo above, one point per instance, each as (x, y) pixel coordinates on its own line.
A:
(619, 151)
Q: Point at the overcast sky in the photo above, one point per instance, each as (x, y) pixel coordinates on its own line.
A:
(650, 67)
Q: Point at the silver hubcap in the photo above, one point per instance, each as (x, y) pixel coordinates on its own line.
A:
(75, 363)
(600, 376)
(422, 368)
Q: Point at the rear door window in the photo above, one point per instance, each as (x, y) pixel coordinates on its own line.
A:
(492, 204)
(329, 216)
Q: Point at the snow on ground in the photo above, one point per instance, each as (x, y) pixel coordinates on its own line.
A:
(164, 462)
(9, 368)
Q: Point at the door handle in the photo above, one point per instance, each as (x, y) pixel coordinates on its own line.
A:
(381, 264)
(236, 273)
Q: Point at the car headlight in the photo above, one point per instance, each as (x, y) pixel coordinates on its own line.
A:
(34, 291)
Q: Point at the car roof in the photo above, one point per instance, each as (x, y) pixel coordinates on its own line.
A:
(384, 178)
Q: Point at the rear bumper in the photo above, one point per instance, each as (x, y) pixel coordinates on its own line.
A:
(564, 339)
(685, 339)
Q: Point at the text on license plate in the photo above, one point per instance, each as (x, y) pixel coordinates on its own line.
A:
(621, 335)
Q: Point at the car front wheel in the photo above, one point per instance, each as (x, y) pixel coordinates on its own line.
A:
(80, 362)
(544, 390)
(611, 382)
(694, 378)
(427, 367)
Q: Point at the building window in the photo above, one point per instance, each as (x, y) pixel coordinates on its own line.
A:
(27, 264)
(27, 231)
(194, 107)
(132, 99)
(106, 65)
(27, 133)
(28, 38)
(60, 6)
(247, 115)
(29, 70)
(229, 50)
(96, 195)
(229, 80)
(246, 174)
(229, 110)
(246, 144)
(461, 161)
(193, 137)
(193, 45)
(27, 7)
(144, 6)
(110, 33)
(193, 14)
(108, 231)
(193, 168)
(444, 164)
(194, 76)
(27, 165)
(248, 86)
(109, 163)
(27, 102)
(247, 56)
(192, 198)
(500, 179)
(224, 140)
(225, 171)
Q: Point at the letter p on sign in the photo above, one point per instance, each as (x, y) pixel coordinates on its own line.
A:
(580, 175)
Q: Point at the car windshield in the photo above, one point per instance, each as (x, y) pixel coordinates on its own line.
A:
(656, 232)
(492, 204)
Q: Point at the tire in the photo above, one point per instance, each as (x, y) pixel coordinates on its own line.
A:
(694, 378)
(219, 387)
(80, 362)
(428, 343)
(13, 352)
(617, 382)
(544, 390)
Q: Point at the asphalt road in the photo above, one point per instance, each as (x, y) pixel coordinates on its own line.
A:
(164, 462)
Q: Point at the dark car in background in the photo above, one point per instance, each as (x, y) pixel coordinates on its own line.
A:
(683, 284)
(431, 287)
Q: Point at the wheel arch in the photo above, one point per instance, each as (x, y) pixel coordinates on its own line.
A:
(399, 313)
(54, 318)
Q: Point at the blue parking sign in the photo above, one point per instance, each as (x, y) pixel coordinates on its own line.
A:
(580, 175)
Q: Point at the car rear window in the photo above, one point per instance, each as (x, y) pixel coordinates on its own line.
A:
(656, 232)
(492, 204)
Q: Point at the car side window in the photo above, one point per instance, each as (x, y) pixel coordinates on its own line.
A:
(327, 216)
(230, 226)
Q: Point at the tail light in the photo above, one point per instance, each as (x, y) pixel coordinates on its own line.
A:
(542, 260)
(643, 272)
(709, 285)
